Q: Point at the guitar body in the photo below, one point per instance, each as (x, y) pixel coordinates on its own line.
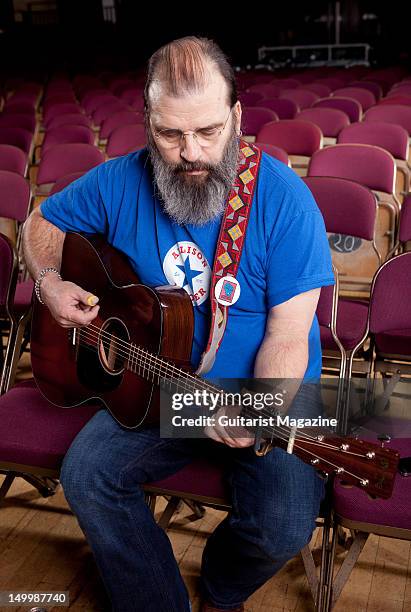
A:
(73, 366)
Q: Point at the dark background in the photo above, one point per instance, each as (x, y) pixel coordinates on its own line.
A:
(74, 35)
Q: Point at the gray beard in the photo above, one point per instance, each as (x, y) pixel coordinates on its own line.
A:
(192, 200)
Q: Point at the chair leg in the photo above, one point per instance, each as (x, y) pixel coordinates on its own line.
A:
(347, 566)
(151, 500)
(326, 567)
(173, 505)
(310, 571)
(9, 349)
(45, 486)
(6, 484)
(13, 353)
(197, 508)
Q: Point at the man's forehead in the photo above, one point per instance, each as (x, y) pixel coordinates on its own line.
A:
(206, 104)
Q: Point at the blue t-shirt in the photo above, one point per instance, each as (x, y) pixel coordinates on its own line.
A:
(285, 252)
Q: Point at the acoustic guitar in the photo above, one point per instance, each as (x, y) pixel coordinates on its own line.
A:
(142, 339)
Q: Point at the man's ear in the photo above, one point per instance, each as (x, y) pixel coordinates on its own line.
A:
(237, 117)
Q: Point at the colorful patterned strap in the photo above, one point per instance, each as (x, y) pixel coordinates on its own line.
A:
(230, 245)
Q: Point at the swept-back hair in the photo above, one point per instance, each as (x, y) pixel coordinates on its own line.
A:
(182, 66)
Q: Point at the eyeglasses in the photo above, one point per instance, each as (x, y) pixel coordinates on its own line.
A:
(205, 137)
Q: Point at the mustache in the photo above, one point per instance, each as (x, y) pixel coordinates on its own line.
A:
(192, 167)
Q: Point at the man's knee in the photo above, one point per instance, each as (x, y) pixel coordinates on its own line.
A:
(293, 539)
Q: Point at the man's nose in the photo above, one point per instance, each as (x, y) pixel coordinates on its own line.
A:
(190, 149)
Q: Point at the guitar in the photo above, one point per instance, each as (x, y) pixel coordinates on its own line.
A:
(142, 338)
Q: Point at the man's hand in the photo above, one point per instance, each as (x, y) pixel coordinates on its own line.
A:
(230, 435)
(68, 303)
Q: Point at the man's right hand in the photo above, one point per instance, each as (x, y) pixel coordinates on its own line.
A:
(69, 304)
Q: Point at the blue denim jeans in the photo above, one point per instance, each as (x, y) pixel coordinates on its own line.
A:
(275, 501)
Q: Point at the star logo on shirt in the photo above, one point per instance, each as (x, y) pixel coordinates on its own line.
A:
(190, 274)
(186, 266)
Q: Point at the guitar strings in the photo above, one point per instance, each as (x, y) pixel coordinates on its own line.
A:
(282, 435)
(284, 429)
(199, 380)
(167, 366)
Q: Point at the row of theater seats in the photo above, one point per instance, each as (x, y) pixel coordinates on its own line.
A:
(72, 125)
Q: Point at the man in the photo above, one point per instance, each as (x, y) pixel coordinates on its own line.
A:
(160, 207)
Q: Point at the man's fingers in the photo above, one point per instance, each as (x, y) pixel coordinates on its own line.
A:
(85, 297)
(79, 318)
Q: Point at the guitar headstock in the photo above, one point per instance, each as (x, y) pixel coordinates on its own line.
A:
(356, 462)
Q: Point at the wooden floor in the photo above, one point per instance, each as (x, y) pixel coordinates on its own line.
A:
(43, 548)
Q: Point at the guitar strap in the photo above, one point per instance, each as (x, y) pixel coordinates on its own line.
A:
(223, 286)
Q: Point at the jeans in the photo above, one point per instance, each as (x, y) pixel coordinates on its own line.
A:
(275, 501)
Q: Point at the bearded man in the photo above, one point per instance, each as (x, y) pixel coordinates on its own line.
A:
(163, 207)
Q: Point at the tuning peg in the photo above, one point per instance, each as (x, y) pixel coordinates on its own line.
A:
(384, 439)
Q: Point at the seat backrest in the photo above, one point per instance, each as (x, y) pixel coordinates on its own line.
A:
(302, 97)
(107, 110)
(274, 151)
(19, 106)
(294, 136)
(19, 109)
(254, 117)
(13, 159)
(364, 97)
(130, 94)
(125, 139)
(67, 134)
(331, 82)
(83, 83)
(283, 108)
(330, 120)
(286, 83)
(8, 271)
(64, 159)
(393, 138)
(65, 97)
(348, 105)
(401, 89)
(15, 196)
(18, 137)
(69, 119)
(27, 122)
(371, 86)
(125, 117)
(397, 100)
(250, 98)
(92, 103)
(63, 108)
(62, 182)
(391, 113)
(390, 301)
(267, 90)
(404, 233)
(347, 207)
(91, 92)
(322, 90)
(369, 165)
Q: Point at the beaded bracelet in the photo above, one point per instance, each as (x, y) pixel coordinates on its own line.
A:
(42, 274)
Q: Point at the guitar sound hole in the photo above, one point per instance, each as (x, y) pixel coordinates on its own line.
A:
(113, 348)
